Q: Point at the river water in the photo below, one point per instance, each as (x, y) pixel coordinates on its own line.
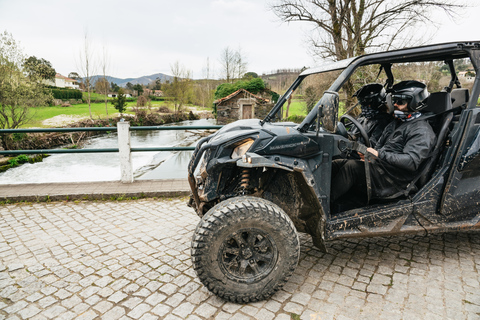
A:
(81, 167)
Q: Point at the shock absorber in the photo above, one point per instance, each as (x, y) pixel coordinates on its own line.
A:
(244, 180)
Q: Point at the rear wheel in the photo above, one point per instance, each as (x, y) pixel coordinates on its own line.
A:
(245, 249)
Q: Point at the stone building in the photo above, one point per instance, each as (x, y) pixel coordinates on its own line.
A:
(241, 105)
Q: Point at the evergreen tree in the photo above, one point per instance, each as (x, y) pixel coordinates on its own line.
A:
(120, 102)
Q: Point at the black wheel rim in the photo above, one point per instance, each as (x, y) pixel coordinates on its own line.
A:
(248, 255)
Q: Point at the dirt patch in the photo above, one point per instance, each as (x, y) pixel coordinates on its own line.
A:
(62, 120)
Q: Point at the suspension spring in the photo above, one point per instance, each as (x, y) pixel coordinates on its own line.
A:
(245, 179)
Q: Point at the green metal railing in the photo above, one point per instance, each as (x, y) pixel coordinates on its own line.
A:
(105, 129)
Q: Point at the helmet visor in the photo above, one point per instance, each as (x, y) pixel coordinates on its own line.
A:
(401, 99)
(367, 101)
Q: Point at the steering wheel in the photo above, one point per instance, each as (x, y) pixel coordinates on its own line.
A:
(352, 121)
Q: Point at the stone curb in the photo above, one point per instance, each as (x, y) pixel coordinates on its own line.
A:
(105, 190)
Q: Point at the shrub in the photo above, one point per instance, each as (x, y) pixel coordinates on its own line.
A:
(120, 102)
(142, 101)
(274, 96)
(224, 90)
(163, 109)
(140, 115)
(155, 98)
(12, 162)
(22, 158)
(18, 136)
(254, 86)
(17, 160)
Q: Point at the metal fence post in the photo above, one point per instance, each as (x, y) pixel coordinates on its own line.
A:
(126, 168)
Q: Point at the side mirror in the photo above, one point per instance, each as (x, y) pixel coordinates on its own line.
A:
(389, 103)
(329, 113)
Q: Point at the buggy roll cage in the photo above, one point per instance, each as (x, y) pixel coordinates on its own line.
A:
(446, 52)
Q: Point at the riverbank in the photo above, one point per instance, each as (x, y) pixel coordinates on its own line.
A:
(12, 162)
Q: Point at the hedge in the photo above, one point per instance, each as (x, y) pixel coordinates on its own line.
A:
(66, 94)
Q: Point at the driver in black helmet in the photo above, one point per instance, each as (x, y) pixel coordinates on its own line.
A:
(396, 159)
(373, 117)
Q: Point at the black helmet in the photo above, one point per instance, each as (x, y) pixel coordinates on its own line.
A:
(411, 92)
(371, 95)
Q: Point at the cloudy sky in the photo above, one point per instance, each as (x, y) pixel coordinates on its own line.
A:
(144, 37)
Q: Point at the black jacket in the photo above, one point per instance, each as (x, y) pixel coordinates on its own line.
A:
(402, 148)
(374, 127)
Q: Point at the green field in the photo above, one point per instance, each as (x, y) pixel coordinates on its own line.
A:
(40, 114)
(94, 96)
(297, 107)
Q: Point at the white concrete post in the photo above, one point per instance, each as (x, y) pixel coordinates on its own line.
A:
(126, 168)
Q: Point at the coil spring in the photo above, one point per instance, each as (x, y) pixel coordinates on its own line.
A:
(245, 179)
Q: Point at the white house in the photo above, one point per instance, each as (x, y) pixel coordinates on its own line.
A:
(63, 82)
(468, 75)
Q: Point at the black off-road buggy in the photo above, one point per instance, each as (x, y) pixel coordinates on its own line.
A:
(256, 183)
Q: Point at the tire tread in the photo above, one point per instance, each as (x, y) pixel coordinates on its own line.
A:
(220, 215)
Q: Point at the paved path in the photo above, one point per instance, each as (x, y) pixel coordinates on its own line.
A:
(131, 260)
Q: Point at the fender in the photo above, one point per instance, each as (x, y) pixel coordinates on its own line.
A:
(253, 160)
(316, 222)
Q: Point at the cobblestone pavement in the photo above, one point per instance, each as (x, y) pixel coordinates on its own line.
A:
(131, 260)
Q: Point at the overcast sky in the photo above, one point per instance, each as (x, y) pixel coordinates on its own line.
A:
(145, 37)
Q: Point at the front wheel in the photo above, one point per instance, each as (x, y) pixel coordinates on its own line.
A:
(245, 249)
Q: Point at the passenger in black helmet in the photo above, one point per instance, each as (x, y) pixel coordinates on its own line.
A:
(374, 117)
(396, 159)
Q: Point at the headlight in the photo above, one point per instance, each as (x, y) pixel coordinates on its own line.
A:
(201, 169)
(240, 150)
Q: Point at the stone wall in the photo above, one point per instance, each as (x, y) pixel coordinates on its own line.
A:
(231, 110)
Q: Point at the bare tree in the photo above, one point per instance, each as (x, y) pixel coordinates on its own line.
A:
(227, 61)
(102, 85)
(87, 68)
(204, 88)
(240, 64)
(104, 65)
(180, 89)
(234, 64)
(347, 28)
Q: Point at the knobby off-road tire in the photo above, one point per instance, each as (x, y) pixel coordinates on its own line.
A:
(245, 249)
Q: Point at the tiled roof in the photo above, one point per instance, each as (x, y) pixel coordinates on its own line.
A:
(236, 93)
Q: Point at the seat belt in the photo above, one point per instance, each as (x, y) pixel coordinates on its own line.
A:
(355, 146)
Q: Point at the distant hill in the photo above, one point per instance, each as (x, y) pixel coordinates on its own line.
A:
(140, 80)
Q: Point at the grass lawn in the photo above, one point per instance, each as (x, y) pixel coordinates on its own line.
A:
(94, 96)
(81, 110)
(297, 107)
(42, 113)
